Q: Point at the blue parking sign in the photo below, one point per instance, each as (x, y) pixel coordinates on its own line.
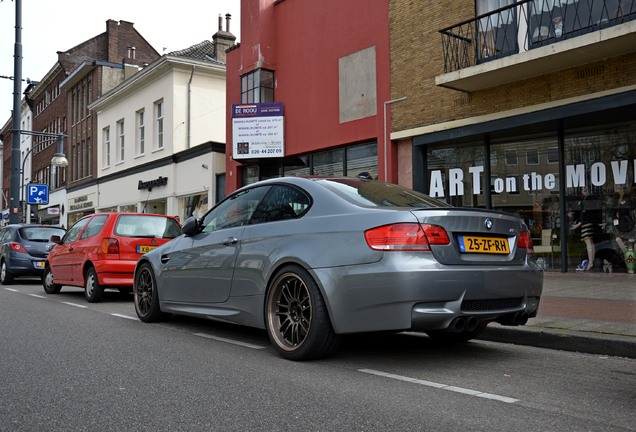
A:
(37, 194)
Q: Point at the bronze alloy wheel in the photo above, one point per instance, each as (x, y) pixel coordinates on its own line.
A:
(145, 295)
(297, 321)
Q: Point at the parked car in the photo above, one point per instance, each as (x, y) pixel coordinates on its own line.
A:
(310, 259)
(100, 251)
(23, 249)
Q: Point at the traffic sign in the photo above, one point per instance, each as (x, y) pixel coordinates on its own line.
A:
(37, 194)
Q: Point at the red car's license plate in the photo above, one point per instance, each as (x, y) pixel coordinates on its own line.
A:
(142, 249)
(474, 244)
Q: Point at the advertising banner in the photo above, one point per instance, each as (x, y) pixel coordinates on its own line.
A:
(258, 130)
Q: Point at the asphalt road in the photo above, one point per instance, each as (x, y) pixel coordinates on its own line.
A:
(67, 365)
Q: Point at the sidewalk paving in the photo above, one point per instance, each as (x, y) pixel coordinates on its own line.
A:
(580, 311)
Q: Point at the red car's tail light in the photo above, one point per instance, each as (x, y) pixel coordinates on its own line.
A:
(525, 241)
(17, 247)
(405, 237)
(110, 246)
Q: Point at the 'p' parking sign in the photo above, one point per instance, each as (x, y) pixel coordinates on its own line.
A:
(37, 194)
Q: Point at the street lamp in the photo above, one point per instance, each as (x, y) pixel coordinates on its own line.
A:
(386, 168)
(58, 160)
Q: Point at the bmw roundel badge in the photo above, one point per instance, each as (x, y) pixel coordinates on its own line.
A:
(488, 223)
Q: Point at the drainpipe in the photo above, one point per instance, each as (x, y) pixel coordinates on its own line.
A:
(189, 114)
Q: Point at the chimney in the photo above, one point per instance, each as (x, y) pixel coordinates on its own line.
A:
(223, 39)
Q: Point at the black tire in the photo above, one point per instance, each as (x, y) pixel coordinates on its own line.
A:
(47, 282)
(450, 337)
(296, 317)
(6, 278)
(146, 296)
(93, 291)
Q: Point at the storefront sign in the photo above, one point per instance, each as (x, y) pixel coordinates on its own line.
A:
(599, 174)
(258, 130)
(148, 185)
(80, 203)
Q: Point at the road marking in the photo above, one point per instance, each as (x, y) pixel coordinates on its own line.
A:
(36, 295)
(11, 289)
(125, 316)
(232, 341)
(75, 304)
(441, 386)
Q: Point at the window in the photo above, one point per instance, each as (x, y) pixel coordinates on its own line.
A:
(532, 156)
(280, 203)
(106, 140)
(120, 141)
(141, 133)
(511, 157)
(159, 124)
(235, 211)
(257, 86)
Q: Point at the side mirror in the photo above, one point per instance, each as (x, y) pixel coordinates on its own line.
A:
(55, 239)
(191, 226)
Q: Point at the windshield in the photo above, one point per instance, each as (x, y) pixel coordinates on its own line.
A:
(40, 234)
(147, 226)
(379, 194)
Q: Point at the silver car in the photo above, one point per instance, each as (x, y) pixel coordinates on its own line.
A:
(310, 259)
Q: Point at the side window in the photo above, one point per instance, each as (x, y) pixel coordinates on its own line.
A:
(3, 235)
(235, 211)
(94, 226)
(282, 202)
(73, 233)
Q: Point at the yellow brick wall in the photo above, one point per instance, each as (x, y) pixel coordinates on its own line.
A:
(417, 58)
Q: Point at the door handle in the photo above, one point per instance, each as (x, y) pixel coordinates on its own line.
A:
(70, 248)
(230, 241)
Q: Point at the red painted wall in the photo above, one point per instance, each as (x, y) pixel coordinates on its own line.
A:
(302, 41)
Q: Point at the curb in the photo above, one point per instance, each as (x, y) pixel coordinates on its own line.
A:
(583, 342)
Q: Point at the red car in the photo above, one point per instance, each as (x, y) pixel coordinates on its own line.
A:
(101, 250)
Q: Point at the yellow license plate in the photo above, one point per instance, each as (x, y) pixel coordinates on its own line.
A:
(144, 249)
(474, 244)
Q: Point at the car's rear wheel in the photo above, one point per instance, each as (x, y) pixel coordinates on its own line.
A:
(296, 317)
(446, 336)
(6, 278)
(93, 291)
(47, 282)
(146, 296)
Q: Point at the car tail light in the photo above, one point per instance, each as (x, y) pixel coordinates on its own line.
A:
(405, 237)
(17, 247)
(525, 241)
(110, 246)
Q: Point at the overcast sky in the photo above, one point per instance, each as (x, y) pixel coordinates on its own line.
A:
(50, 26)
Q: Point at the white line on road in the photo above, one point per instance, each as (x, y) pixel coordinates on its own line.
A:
(235, 342)
(75, 304)
(36, 295)
(125, 316)
(11, 289)
(441, 386)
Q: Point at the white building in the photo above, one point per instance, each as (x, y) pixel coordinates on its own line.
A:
(161, 141)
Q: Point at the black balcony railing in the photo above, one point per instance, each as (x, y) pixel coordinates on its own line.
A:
(525, 25)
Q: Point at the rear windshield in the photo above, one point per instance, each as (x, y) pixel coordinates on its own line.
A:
(147, 226)
(40, 234)
(379, 194)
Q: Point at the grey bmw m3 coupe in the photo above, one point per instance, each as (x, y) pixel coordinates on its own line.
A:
(312, 259)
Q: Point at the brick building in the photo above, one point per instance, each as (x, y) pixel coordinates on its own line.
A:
(59, 105)
(523, 106)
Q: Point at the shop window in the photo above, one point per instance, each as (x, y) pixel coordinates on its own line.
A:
(329, 163)
(362, 159)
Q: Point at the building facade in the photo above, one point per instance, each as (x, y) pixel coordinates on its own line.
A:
(325, 66)
(160, 147)
(526, 107)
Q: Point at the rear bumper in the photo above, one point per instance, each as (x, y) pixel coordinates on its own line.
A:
(27, 266)
(424, 295)
(115, 272)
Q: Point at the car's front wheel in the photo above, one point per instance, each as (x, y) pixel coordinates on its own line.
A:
(93, 291)
(297, 321)
(47, 282)
(6, 278)
(145, 295)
